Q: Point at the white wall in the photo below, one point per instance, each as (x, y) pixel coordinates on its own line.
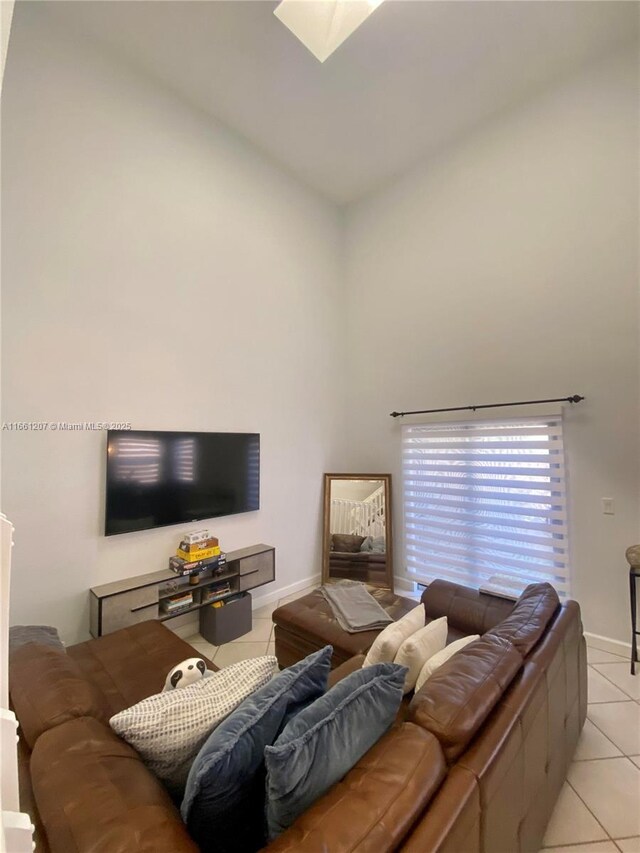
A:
(148, 254)
(507, 269)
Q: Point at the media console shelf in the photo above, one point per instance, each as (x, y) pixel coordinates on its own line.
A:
(123, 603)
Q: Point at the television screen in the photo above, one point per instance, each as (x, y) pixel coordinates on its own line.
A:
(160, 478)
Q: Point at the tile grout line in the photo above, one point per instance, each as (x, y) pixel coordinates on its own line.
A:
(590, 812)
(624, 754)
(612, 682)
(600, 758)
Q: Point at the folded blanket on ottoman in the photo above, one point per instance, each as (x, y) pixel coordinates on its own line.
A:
(354, 607)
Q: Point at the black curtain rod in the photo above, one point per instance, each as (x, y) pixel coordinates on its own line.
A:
(575, 399)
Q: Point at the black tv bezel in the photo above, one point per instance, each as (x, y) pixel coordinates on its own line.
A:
(111, 432)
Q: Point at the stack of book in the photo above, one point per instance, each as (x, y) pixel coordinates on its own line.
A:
(177, 602)
(213, 593)
(197, 552)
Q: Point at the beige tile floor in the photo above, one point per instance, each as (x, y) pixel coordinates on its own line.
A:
(599, 807)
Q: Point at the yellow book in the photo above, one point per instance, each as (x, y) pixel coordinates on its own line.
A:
(190, 548)
(202, 554)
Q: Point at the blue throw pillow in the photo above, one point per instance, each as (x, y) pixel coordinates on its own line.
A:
(323, 742)
(224, 800)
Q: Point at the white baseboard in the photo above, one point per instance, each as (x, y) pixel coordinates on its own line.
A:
(281, 592)
(606, 644)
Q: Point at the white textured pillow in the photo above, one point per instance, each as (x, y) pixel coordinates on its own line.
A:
(441, 657)
(168, 729)
(386, 644)
(419, 647)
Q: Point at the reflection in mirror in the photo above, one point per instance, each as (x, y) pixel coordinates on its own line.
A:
(357, 528)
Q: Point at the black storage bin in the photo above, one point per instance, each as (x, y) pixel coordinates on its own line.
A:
(220, 625)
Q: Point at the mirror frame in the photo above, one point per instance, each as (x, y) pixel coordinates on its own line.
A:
(326, 538)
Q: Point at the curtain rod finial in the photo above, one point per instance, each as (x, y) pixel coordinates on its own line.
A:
(576, 398)
(396, 414)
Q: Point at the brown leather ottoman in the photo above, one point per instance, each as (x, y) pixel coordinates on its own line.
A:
(307, 624)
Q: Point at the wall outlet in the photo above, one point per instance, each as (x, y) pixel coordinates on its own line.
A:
(608, 506)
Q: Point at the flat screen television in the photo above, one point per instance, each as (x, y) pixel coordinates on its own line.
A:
(159, 478)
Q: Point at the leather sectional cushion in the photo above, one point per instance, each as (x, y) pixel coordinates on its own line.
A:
(461, 694)
(467, 610)
(48, 688)
(132, 663)
(377, 803)
(95, 795)
(345, 669)
(530, 617)
(308, 624)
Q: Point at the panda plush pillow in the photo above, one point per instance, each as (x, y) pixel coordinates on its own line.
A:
(186, 672)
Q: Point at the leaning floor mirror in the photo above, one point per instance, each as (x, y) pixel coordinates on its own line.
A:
(357, 529)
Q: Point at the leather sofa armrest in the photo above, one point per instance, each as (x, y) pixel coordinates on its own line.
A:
(345, 669)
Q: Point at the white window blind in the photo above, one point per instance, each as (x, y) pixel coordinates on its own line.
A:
(486, 498)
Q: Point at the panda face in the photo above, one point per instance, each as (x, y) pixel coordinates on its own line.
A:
(190, 670)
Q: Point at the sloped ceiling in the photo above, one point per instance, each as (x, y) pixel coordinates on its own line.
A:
(412, 78)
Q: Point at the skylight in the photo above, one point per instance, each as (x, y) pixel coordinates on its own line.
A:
(322, 25)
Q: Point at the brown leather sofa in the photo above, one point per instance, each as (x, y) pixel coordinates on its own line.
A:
(354, 564)
(474, 763)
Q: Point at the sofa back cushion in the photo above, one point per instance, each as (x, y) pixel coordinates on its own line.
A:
(94, 794)
(468, 611)
(529, 618)
(460, 695)
(377, 803)
(48, 688)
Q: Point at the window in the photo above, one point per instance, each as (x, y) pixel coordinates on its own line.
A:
(486, 498)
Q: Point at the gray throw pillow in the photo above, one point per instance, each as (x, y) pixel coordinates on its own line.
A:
(168, 729)
(323, 742)
(224, 800)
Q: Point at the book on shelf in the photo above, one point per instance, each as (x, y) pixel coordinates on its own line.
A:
(215, 592)
(199, 554)
(187, 567)
(191, 547)
(196, 536)
(178, 601)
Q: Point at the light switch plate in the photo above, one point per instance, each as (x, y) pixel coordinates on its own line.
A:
(608, 506)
